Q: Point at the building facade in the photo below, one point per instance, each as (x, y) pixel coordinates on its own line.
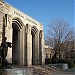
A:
(48, 51)
(26, 35)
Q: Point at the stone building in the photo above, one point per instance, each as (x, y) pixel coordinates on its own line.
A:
(26, 35)
(48, 51)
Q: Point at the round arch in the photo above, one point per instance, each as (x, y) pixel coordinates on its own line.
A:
(17, 26)
(18, 22)
(34, 30)
(34, 33)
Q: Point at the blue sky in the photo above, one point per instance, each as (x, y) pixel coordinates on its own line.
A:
(46, 10)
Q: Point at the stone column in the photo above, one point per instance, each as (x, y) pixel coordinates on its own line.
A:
(21, 47)
(8, 34)
(29, 46)
(25, 45)
(1, 19)
(37, 48)
(42, 48)
(1, 26)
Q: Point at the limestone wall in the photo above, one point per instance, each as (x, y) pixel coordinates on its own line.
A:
(20, 19)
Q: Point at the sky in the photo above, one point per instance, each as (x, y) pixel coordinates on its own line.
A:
(46, 10)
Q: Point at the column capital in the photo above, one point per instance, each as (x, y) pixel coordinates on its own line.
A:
(28, 28)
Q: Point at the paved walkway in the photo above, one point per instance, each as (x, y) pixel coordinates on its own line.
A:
(37, 70)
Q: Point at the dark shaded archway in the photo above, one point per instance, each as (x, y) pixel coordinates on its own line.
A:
(34, 43)
(16, 25)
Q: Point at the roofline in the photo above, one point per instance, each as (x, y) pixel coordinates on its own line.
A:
(22, 12)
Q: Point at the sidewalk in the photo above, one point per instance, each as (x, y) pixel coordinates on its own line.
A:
(36, 70)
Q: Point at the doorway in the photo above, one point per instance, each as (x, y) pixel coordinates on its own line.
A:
(15, 45)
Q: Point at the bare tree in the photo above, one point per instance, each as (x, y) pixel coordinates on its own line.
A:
(59, 32)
